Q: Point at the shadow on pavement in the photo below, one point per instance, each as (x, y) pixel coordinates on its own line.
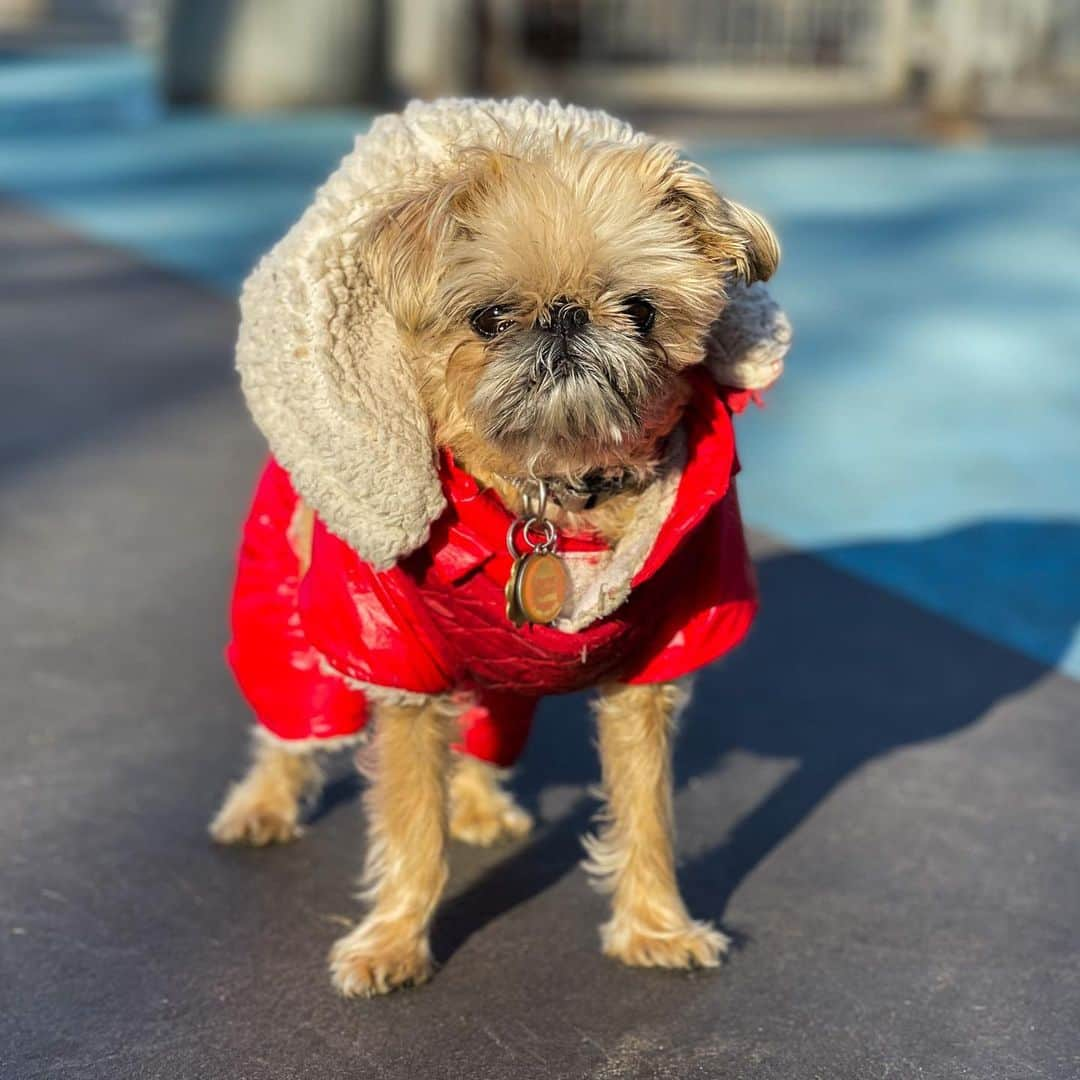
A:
(835, 674)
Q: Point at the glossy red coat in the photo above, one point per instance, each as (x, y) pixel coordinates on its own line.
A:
(436, 622)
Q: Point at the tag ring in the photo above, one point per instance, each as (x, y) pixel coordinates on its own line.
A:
(543, 545)
(547, 531)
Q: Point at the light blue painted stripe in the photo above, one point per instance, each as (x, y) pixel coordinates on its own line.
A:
(935, 377)
(932, 403)
(926, 435)
(204, 194)
(1013, 580)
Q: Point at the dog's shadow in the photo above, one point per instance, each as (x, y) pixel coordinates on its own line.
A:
(836, 673)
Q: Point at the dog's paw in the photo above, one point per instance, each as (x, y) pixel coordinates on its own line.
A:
(486, 823)
(370, 961)
(694, 944)
(252, 818)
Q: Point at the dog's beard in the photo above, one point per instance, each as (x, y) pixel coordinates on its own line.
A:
(543, 391)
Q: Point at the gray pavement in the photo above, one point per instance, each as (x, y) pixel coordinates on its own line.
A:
(880, 806)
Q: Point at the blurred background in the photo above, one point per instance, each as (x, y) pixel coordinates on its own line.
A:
(897, 739)
(959, 66)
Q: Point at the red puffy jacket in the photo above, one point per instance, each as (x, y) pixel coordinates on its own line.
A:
(436, 621)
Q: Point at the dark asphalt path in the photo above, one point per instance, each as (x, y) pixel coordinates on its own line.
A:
(880, 806)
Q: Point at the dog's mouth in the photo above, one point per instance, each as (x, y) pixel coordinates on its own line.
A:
(555, 359)
(588, 391)
(561, 366)
(568, 403)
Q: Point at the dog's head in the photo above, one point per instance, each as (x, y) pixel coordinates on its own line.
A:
(549, 298)
(530, 300)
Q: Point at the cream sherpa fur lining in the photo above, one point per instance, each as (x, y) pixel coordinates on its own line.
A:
(600, 582)
(318, 353)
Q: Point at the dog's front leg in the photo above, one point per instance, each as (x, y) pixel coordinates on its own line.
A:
(632, 857)
(406, 862)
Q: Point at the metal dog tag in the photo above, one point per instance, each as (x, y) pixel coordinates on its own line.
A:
(513, 610)
(540, 586)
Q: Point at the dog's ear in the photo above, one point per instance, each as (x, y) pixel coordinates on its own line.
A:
(731, 235)
(757, 248)
(405, 241)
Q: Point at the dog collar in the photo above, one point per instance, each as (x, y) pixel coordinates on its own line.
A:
(590, 490)
(585, 493)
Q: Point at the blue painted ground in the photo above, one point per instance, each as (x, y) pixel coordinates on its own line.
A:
(927, 434)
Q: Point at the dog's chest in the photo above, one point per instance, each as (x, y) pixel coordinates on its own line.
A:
(470, 616)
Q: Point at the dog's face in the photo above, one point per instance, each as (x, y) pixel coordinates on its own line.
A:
(551, 299)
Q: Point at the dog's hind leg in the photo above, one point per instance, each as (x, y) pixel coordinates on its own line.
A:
(633, 857)
(264, 807)
(406, 871)
(482, 811)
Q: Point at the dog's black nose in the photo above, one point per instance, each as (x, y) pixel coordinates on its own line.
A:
(567, 317)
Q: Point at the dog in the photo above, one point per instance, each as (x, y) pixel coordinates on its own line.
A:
(496, 363)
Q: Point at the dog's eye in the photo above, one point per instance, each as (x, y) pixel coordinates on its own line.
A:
(489, 321)
(641, 312)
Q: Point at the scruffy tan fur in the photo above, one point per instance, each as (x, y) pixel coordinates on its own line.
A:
(406, 765)
(520, 229)
(632, 855)
(264, 807)
(532, 228)
(481, 811)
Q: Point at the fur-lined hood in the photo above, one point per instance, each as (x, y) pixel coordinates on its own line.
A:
(321, 363)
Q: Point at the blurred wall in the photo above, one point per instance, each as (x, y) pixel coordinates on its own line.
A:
(17, 14)
(433, 46)
(260, 54)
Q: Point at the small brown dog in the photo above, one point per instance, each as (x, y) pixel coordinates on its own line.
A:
(495, 313)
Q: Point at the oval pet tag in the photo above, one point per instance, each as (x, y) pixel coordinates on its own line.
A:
(540, 587)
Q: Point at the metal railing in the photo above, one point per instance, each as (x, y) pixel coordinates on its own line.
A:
(708, 51)
(820, 52)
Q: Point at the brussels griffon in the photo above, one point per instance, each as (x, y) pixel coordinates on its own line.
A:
(505, 332)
